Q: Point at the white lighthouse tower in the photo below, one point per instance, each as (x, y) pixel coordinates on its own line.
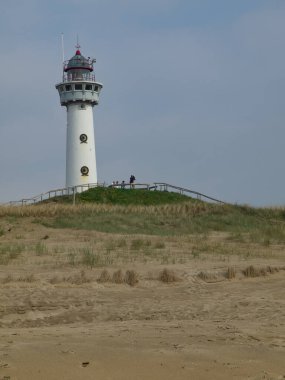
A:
(79, 93)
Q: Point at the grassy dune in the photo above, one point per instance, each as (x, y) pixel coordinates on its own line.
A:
(155, 213)
(172, 232)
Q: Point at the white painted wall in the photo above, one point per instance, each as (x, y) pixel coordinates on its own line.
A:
(80, 154)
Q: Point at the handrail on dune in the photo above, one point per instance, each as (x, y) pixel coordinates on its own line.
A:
(54, 193)
(156, 186)
(164, 187)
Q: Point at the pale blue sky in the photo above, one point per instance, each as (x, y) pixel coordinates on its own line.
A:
(193, 94)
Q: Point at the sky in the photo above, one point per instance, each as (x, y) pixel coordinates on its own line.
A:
(193, 94)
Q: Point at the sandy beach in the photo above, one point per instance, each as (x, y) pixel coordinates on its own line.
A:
(57, 321)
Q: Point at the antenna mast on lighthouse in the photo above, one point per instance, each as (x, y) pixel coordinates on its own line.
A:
(62, 47)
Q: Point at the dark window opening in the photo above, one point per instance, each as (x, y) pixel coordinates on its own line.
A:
(78, 87)
(83, 138)
(84, 170)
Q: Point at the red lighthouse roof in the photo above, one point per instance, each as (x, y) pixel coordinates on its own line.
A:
(79, 62)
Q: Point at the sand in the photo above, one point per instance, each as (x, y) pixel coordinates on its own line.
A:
(54, 326)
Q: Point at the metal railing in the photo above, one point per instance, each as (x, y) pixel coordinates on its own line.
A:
(55, 193)
(156, 186)
(78, 77)
(182, 190)
(124, 185)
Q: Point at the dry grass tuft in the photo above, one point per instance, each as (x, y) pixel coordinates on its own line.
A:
(104, 276)
(230, 273)
(159, 245)
(53, 210)
(75, 279)
(167, 276)
(271, 270)
(7, 279)
(55, 280)
(28, 278)
(78, 279)
(118, 277)
(205, 276)
(251, 271)
(131, 277)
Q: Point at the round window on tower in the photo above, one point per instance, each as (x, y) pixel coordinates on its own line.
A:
(83, 138)
(84, 170)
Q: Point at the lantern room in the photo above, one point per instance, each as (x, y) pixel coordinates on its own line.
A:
(78, 68)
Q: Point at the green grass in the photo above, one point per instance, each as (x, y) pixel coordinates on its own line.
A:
(90, 258)
(113, 196)
(10, 252)
(242, 224)
(130, 197)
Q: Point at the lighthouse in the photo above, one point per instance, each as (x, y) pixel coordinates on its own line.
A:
(79, 93)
